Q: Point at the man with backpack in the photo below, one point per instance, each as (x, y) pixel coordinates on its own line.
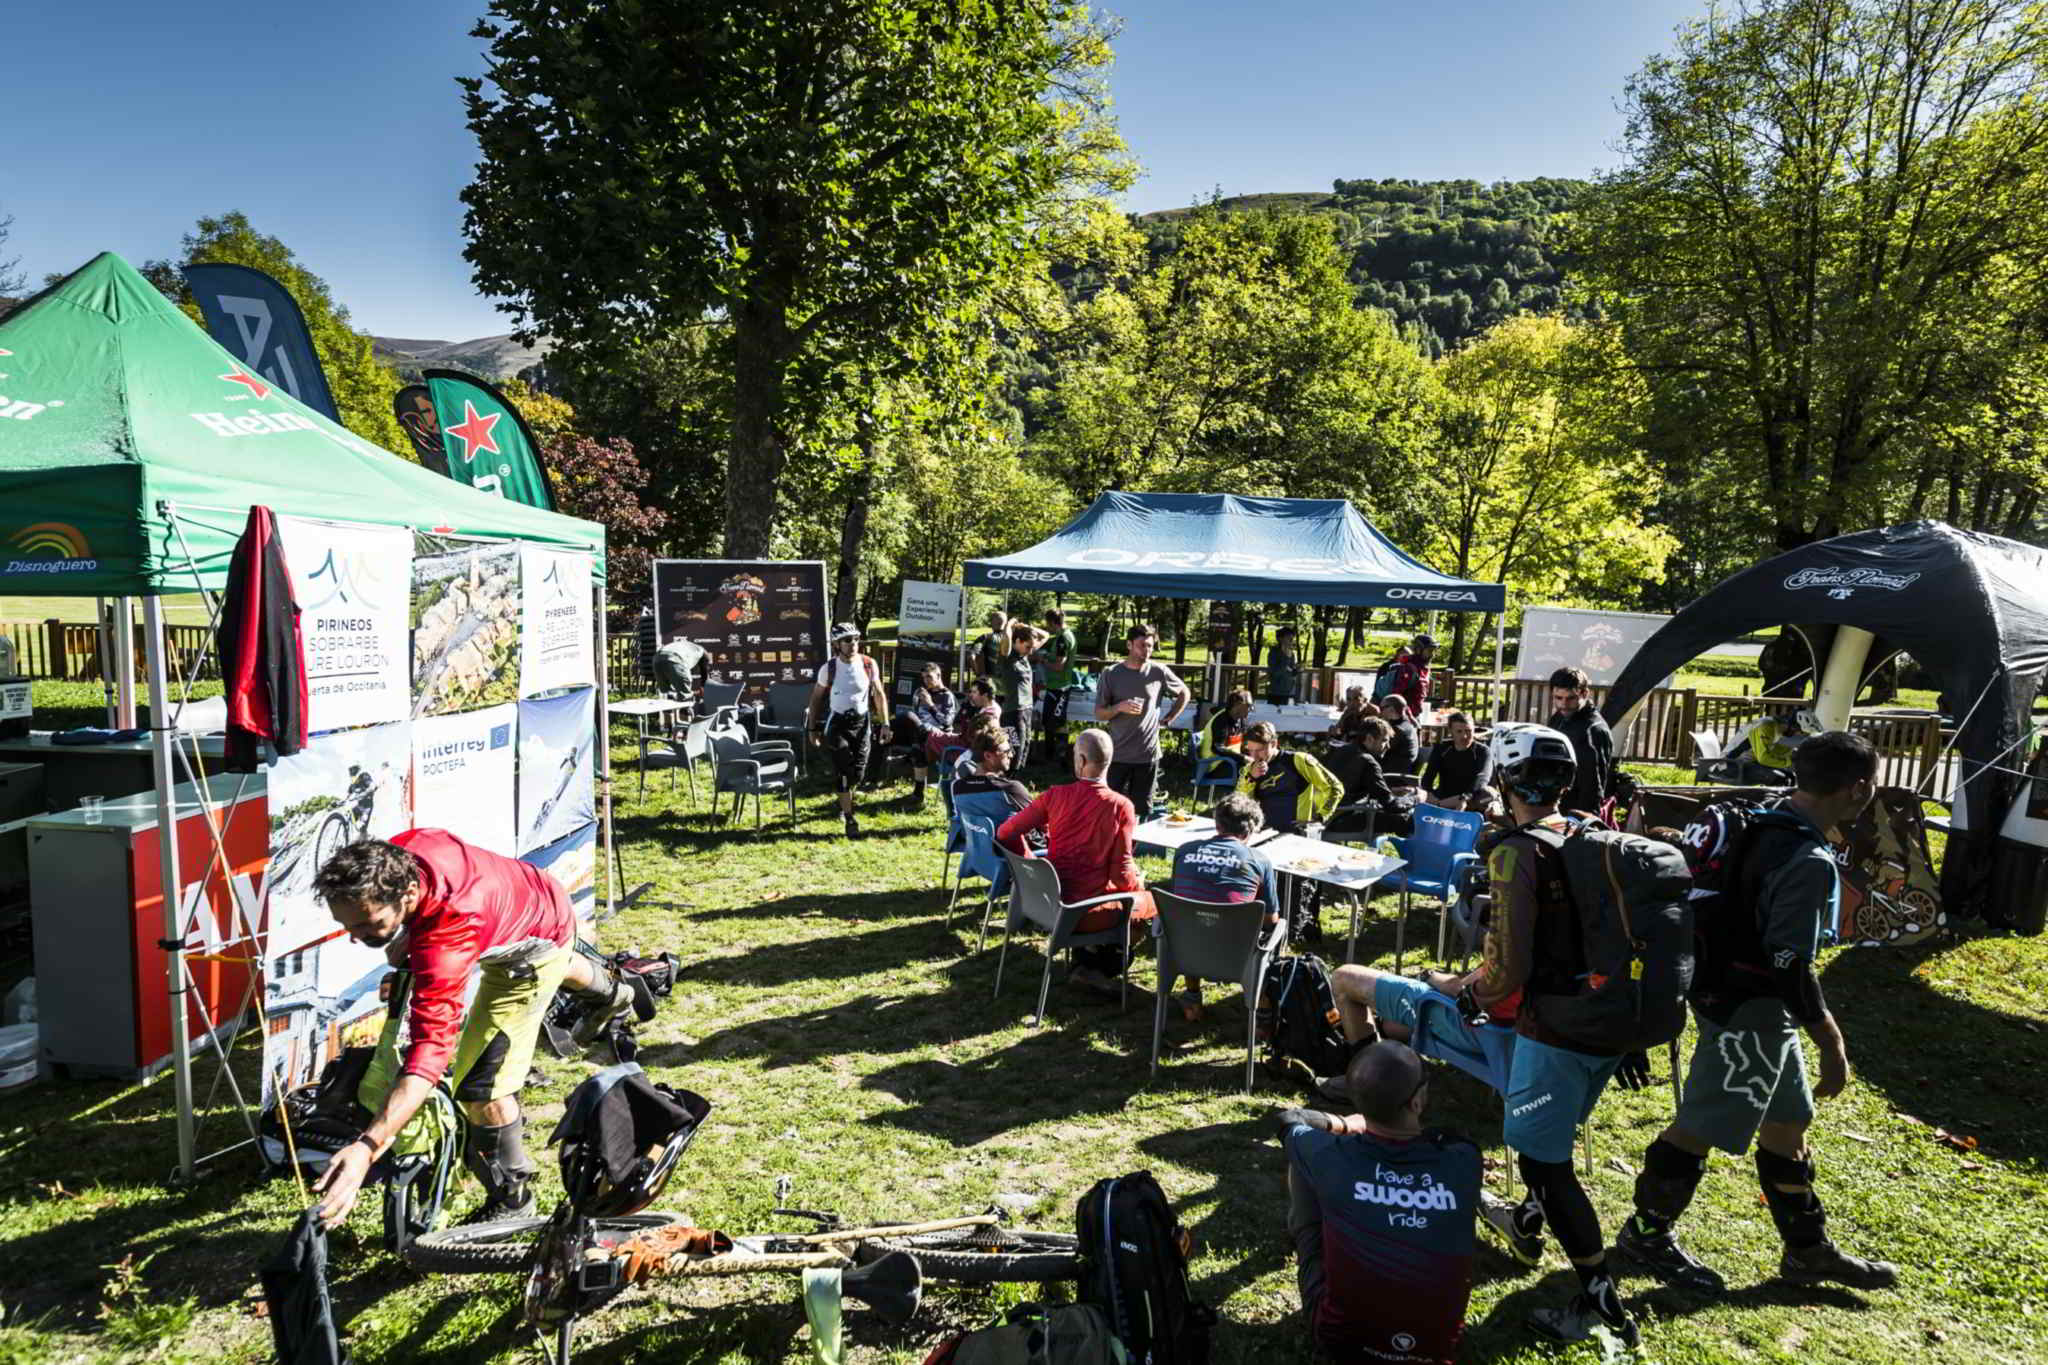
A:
(1534, 958)
(1381, 1211)
(1765, 884)
(847, 706)
(1407, 676)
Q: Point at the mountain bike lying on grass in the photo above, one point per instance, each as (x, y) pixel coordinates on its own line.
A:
(621, 1136)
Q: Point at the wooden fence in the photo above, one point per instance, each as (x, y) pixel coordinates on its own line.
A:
(75, 651)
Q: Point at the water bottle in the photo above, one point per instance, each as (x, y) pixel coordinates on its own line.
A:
(1314, 830)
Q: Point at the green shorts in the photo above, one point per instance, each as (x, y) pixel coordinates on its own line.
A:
(498, 1036)
(1743, 1074)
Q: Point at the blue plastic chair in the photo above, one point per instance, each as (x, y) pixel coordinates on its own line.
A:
(1213, 770)
(1440, 856)
(955, 840)
(991, 807)
(983, 859)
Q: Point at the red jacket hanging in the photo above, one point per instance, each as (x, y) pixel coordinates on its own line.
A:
(262, 661)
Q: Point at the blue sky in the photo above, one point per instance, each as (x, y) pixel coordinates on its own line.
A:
(338, 127)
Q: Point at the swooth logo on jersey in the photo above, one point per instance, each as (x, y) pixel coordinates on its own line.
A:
(1429, 1198)
(53, 547)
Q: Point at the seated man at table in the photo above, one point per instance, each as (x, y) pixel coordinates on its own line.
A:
(1226, 727)
(1371, 805)
(992, 750)
(1226, 870)
(1292, 787)
(1090, 842)
(1459, 772)
(1404, 749)
(1382, 1213)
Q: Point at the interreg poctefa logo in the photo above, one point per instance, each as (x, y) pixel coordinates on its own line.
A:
(52, 547)
(1843, 583)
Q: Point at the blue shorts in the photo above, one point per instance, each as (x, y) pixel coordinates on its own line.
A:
(1437, 1030)
(1551, 1091)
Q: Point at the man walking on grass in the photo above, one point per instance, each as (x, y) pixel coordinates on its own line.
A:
(1754, 988)
(847, 704)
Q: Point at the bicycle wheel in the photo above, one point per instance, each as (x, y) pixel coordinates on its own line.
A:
(984, 1255)
(506, 1247)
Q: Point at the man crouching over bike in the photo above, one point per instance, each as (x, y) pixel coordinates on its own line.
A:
(441, 907)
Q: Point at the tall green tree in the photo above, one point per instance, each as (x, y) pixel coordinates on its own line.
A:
(1538, 477)
(1238, 362)
(1829, 210)
(362, 387)
(837, 179)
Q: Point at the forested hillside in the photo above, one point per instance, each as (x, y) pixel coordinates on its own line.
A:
(1446, 259)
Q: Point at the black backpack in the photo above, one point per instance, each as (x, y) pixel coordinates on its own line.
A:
(1718, 843)
(1632, 897)
(1134, 1267)
(1300, 1022)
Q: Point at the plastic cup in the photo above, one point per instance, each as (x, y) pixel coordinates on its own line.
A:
(90, 805)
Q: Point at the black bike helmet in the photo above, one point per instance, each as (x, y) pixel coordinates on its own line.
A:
(621, 1135)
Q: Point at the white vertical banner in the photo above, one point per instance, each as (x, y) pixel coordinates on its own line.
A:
(556, 634)
(464, 769)
(353, 585)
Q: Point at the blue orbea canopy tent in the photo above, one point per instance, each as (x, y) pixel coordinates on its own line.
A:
(1222, 547)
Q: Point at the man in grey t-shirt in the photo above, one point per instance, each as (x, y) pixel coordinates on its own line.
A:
(1127, 705)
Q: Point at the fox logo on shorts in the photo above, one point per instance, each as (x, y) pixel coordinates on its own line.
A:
(1749, 1074)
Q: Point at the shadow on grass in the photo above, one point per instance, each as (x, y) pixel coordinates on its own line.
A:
(1951, 1062)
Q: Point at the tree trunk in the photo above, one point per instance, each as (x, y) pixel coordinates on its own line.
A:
(753, 468)
(1236, 630)
(853, 534)
(1181, 609)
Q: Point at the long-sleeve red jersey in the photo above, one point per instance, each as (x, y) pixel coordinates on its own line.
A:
(472, 901)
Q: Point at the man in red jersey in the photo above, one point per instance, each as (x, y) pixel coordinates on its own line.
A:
(1088, 833)
(458, 908)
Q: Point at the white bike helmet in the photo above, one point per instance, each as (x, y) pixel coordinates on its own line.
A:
(1535, 762)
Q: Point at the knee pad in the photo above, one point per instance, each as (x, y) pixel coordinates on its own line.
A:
(1775, 1170)
(1669, 1177)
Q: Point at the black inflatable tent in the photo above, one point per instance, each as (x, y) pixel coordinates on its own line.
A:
(1972, 609)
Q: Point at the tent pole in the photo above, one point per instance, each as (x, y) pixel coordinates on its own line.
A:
(160, 738)
(124, 663)
(1500, 653)
(603, 741)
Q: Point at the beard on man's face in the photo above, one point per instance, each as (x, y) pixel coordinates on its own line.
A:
(370, 938)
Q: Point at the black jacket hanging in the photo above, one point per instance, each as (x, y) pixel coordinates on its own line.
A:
(262, 661)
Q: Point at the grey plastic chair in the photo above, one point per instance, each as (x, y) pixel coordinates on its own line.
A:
(787, 717)
(720, 698)
(686, 754)
(748, 769)
(1217, 942)
(1035, 900)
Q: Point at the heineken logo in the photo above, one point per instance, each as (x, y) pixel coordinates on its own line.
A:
(1843, 583)
(252, 423)
(53, 547)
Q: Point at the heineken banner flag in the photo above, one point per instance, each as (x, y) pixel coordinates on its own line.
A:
(256, 318)
(486, 439)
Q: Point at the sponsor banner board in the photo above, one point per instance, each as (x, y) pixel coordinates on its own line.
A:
(353, 585)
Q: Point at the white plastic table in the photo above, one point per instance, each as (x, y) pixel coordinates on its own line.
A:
(1351, 870)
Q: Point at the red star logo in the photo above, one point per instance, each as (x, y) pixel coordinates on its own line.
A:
(6, 353)
(475, 431)
(255, 386)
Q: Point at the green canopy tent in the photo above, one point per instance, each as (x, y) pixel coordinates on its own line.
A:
(131, 449)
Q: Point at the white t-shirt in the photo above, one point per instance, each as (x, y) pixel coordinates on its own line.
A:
(850, 683)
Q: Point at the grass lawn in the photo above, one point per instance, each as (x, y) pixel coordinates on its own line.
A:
(842, 1023)
(180, 609)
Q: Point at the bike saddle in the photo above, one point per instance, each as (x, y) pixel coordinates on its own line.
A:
(892, 1285)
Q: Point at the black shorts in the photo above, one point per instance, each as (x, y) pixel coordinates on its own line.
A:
(846, 740)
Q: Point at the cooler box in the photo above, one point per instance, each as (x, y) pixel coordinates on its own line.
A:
(102, 984)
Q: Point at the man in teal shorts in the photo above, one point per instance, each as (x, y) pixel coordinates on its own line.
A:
(1423, 1013)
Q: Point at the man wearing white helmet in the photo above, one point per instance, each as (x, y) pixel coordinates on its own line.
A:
(1532, 949)
(847, 703)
